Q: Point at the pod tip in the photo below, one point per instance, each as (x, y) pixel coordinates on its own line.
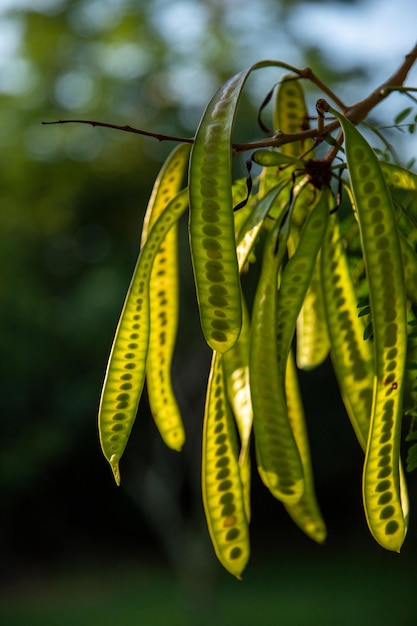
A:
(115, 469)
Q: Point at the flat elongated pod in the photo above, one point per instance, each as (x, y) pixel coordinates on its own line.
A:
(297, 274)
(397, 176)
(163, 298)
(306, 512)
(236, 372)
(273, 158)
(278, 460)
(126, 368)
(290, 114)
(409, 257)
(384, 270)
(410, 402)
(312, 339)
(221, 486)
(249, 230)
(312, 336)
(167, 185)
(351, 355)
(212, 236)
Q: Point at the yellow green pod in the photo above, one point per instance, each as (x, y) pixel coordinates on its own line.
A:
(297, 274)
(126, 368)
(410, 402)
(212, 235)
(163, 298)
(409, 257)
(273, 158)
(399, 177)
(351, 355)
(221, 485)
(278, 459)
(312, 337)
(236, 372)
(291, 115)
(306, 512)
(249, 230)
(383, 263)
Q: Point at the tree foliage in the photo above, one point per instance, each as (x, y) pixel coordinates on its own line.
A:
(332, 223)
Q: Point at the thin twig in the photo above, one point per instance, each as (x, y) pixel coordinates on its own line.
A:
(310, 75)
(128, 129)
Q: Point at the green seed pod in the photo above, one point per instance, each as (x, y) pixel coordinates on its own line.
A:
(296, 276)
(312, 337)
(236, 372)
(212, 236)
(272, 158)
(126, 368)
(409, 257)
(306, 512)
(399, 177)
(278, 459)
(163, 298)
(290, 114)
(384, 270)
(352, 357)
(249, 230)
(222, 490)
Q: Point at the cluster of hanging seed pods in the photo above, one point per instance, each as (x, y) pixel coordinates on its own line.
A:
(309, 288)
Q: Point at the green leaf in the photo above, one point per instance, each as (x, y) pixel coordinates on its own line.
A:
(402, 115)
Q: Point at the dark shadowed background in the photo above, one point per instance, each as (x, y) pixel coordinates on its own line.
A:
(74, 548)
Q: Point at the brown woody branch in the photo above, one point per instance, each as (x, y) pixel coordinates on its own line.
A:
(355, 113)
(126, 128)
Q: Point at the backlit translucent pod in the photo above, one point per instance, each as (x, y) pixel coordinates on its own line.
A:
(351, 355)
(384, 270)
(248, 231)
(163, 297)
(290, 114)
(212, 233)
(312, 336)
(273, 158)
(297, 274)
(236, 360)
(401, 178)
(409, 257)
(410, 401)
(126, 368)
(278, 459)
(212, 236)
(306, 512)
(397, 176)
(236, 372)
(221, 486)
(276, 168)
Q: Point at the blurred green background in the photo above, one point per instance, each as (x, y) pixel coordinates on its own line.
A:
(74, 548)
